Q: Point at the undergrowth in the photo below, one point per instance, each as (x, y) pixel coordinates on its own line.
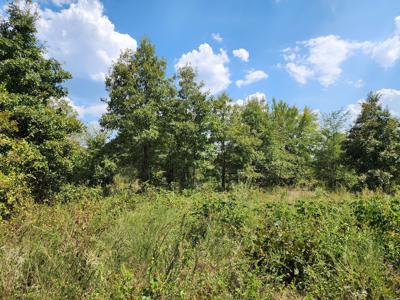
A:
(245, 244)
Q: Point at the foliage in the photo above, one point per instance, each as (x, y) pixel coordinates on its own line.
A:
(372, 146)
(138, 93)
(110, 230)
(236, 146)
(329, 164)
(292, 141)
(37, 150)
(97, 166)
(243, 244)
(187, 125)
(23, 66)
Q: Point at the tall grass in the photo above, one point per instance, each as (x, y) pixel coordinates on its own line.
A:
(246, 244)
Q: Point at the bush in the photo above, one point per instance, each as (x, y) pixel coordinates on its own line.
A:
(14, 193)
(317, 248)
(73, 193)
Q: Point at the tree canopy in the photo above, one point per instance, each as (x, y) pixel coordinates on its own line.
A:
(37, 146)
(168, 131)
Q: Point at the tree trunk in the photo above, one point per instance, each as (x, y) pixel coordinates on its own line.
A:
(223, 175)
(145, 176)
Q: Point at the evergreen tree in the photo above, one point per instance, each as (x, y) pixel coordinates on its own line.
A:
(372, 146)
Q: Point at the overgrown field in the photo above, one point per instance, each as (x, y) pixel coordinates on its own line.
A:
(245, 244)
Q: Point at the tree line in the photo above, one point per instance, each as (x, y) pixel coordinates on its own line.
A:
(168, 132)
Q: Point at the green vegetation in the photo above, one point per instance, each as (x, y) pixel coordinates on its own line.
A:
(186, 195)
(245, 244)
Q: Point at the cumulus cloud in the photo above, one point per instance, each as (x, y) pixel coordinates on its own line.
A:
(258, 95)
(210, 67)
(319, 58)
(81, 36)
(387, 52)
(217, 37)
(390, 99)
(251, 77)
(261, 97)
(94, 110)
(242, 54)
(322, 58)
(300, 73)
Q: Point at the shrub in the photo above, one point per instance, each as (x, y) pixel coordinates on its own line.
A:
(317, 248)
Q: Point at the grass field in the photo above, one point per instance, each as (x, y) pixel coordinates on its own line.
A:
(245, 244)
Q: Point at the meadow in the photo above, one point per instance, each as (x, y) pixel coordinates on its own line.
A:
(243, 244)
(175, 192)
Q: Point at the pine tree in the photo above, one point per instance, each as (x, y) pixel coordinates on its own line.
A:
(372, 146)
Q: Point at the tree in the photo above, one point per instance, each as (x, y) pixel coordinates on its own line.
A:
(138, 92)
(24, 70)
(256, 115)
(98, 167)
(190, 128)
(293, 136)
(38, 125)
(372, 146)
(236, 145)
(328, 166)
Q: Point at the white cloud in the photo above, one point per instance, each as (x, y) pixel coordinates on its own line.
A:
(251, 77)
(397, 23)
(241, 53)
(82, 37)
(390, 99)
(261, 97)
(322, 58)
(210, 67)
(58, 3)
(387, 52)
(94, 110)
(62, 2)
(101, 76)
(357, 84)
(258, 95)
(217, 37)
(300, 73)
(354, 110)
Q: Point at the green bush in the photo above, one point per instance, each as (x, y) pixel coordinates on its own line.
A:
(317, 248)
(72, 193)
(382, 215)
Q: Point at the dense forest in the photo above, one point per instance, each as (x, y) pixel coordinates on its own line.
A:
(182, 194)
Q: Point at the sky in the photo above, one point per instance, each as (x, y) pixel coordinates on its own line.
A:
(324, 54)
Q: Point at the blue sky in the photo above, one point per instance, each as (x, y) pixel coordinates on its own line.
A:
(326, 54)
